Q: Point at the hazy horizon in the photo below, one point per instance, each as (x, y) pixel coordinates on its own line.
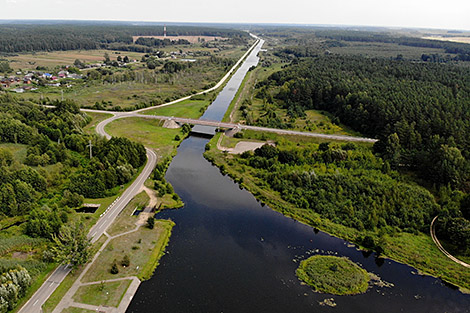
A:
(359, 13)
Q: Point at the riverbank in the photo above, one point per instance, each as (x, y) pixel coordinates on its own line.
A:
(416, 250)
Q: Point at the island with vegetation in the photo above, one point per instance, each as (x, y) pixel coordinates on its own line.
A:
(333, 275)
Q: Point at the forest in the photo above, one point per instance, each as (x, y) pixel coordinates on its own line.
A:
(28, 38)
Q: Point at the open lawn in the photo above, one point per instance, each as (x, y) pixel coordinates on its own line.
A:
(148, 132)
(105, 294)
(96, 118)
(144, 247)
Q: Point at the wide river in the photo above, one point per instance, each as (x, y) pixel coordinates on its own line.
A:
(228, 253)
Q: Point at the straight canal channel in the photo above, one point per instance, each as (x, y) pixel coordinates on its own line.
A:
(228, 253)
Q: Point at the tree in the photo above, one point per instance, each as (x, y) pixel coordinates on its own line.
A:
(114, 268)
(126, 59)
(125, 261)
(151, 222)
(392, 150)
(107, 60)
(5, 67)
(72, 245)
(79, 64)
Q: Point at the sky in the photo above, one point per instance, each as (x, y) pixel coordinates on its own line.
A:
(449, 14)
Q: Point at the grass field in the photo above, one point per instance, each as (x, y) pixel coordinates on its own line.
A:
(387, 50)
(96, 118)
(143, 247)
(148, 132)
(188, 108)
(105, 294)
(17, 150)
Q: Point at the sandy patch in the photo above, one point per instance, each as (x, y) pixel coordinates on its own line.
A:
(243, 146)
(191, 39)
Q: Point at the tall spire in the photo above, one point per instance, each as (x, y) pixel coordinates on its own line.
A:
(164, 30)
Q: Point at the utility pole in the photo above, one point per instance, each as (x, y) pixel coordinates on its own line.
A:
(90, 145)
(62, 90)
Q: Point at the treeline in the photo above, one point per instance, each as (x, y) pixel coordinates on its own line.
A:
(29, 38)
(155, 42)
(462, 50)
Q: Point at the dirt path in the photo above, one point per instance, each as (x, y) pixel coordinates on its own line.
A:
(438, 244)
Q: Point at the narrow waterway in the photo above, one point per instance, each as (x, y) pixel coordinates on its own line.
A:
(228, 253)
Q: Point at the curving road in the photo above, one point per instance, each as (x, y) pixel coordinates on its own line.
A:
(440, 247)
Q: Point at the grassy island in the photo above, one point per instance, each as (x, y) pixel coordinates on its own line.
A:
(335, 275)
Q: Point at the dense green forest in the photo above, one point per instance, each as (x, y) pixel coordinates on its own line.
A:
(28, 38)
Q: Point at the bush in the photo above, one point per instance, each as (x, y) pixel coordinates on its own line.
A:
(114, 268)
(126, 261)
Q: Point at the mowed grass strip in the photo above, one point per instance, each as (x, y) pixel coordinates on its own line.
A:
(334, 275)
(72, 309)
(142, 246)
(104, 294)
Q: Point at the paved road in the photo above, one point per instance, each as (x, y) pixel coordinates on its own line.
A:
(440, 247)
